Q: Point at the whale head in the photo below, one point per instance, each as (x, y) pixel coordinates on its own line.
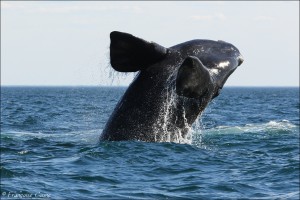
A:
(206, 66)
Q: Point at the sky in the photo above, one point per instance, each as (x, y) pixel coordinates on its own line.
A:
(60, 43)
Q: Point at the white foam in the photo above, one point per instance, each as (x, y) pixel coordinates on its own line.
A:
(23, 152)
(269, 127)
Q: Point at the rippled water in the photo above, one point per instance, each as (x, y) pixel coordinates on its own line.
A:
(245, 146)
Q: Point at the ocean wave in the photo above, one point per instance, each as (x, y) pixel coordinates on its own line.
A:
(30, 120)
(86, 136)
(92, 136)
(290, 195)
(283, 126)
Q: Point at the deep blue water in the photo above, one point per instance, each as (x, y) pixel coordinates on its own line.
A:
(245, 146)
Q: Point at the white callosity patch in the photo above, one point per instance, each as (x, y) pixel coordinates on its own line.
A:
(221, 66)
(196, 51)
(214, 71)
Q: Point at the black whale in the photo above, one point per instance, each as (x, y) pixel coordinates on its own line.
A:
(173, 86)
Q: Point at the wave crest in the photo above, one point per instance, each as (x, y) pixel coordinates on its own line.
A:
(283, 126)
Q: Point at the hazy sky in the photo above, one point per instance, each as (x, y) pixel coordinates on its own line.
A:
(67, 43)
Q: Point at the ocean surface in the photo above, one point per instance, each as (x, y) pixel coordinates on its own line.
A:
(245, 146)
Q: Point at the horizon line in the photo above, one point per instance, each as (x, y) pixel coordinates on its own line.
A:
(129, 84)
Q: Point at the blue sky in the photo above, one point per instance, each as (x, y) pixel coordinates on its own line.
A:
(67, 43)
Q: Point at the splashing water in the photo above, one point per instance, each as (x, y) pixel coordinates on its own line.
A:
(167, 111)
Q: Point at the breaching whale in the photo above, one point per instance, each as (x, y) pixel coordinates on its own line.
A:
(172, 88)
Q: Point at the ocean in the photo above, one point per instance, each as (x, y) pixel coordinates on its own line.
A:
(244, 146)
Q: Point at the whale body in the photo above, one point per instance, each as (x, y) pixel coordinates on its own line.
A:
(172, 88)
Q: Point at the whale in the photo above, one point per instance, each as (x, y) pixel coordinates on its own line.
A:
(171, 88)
